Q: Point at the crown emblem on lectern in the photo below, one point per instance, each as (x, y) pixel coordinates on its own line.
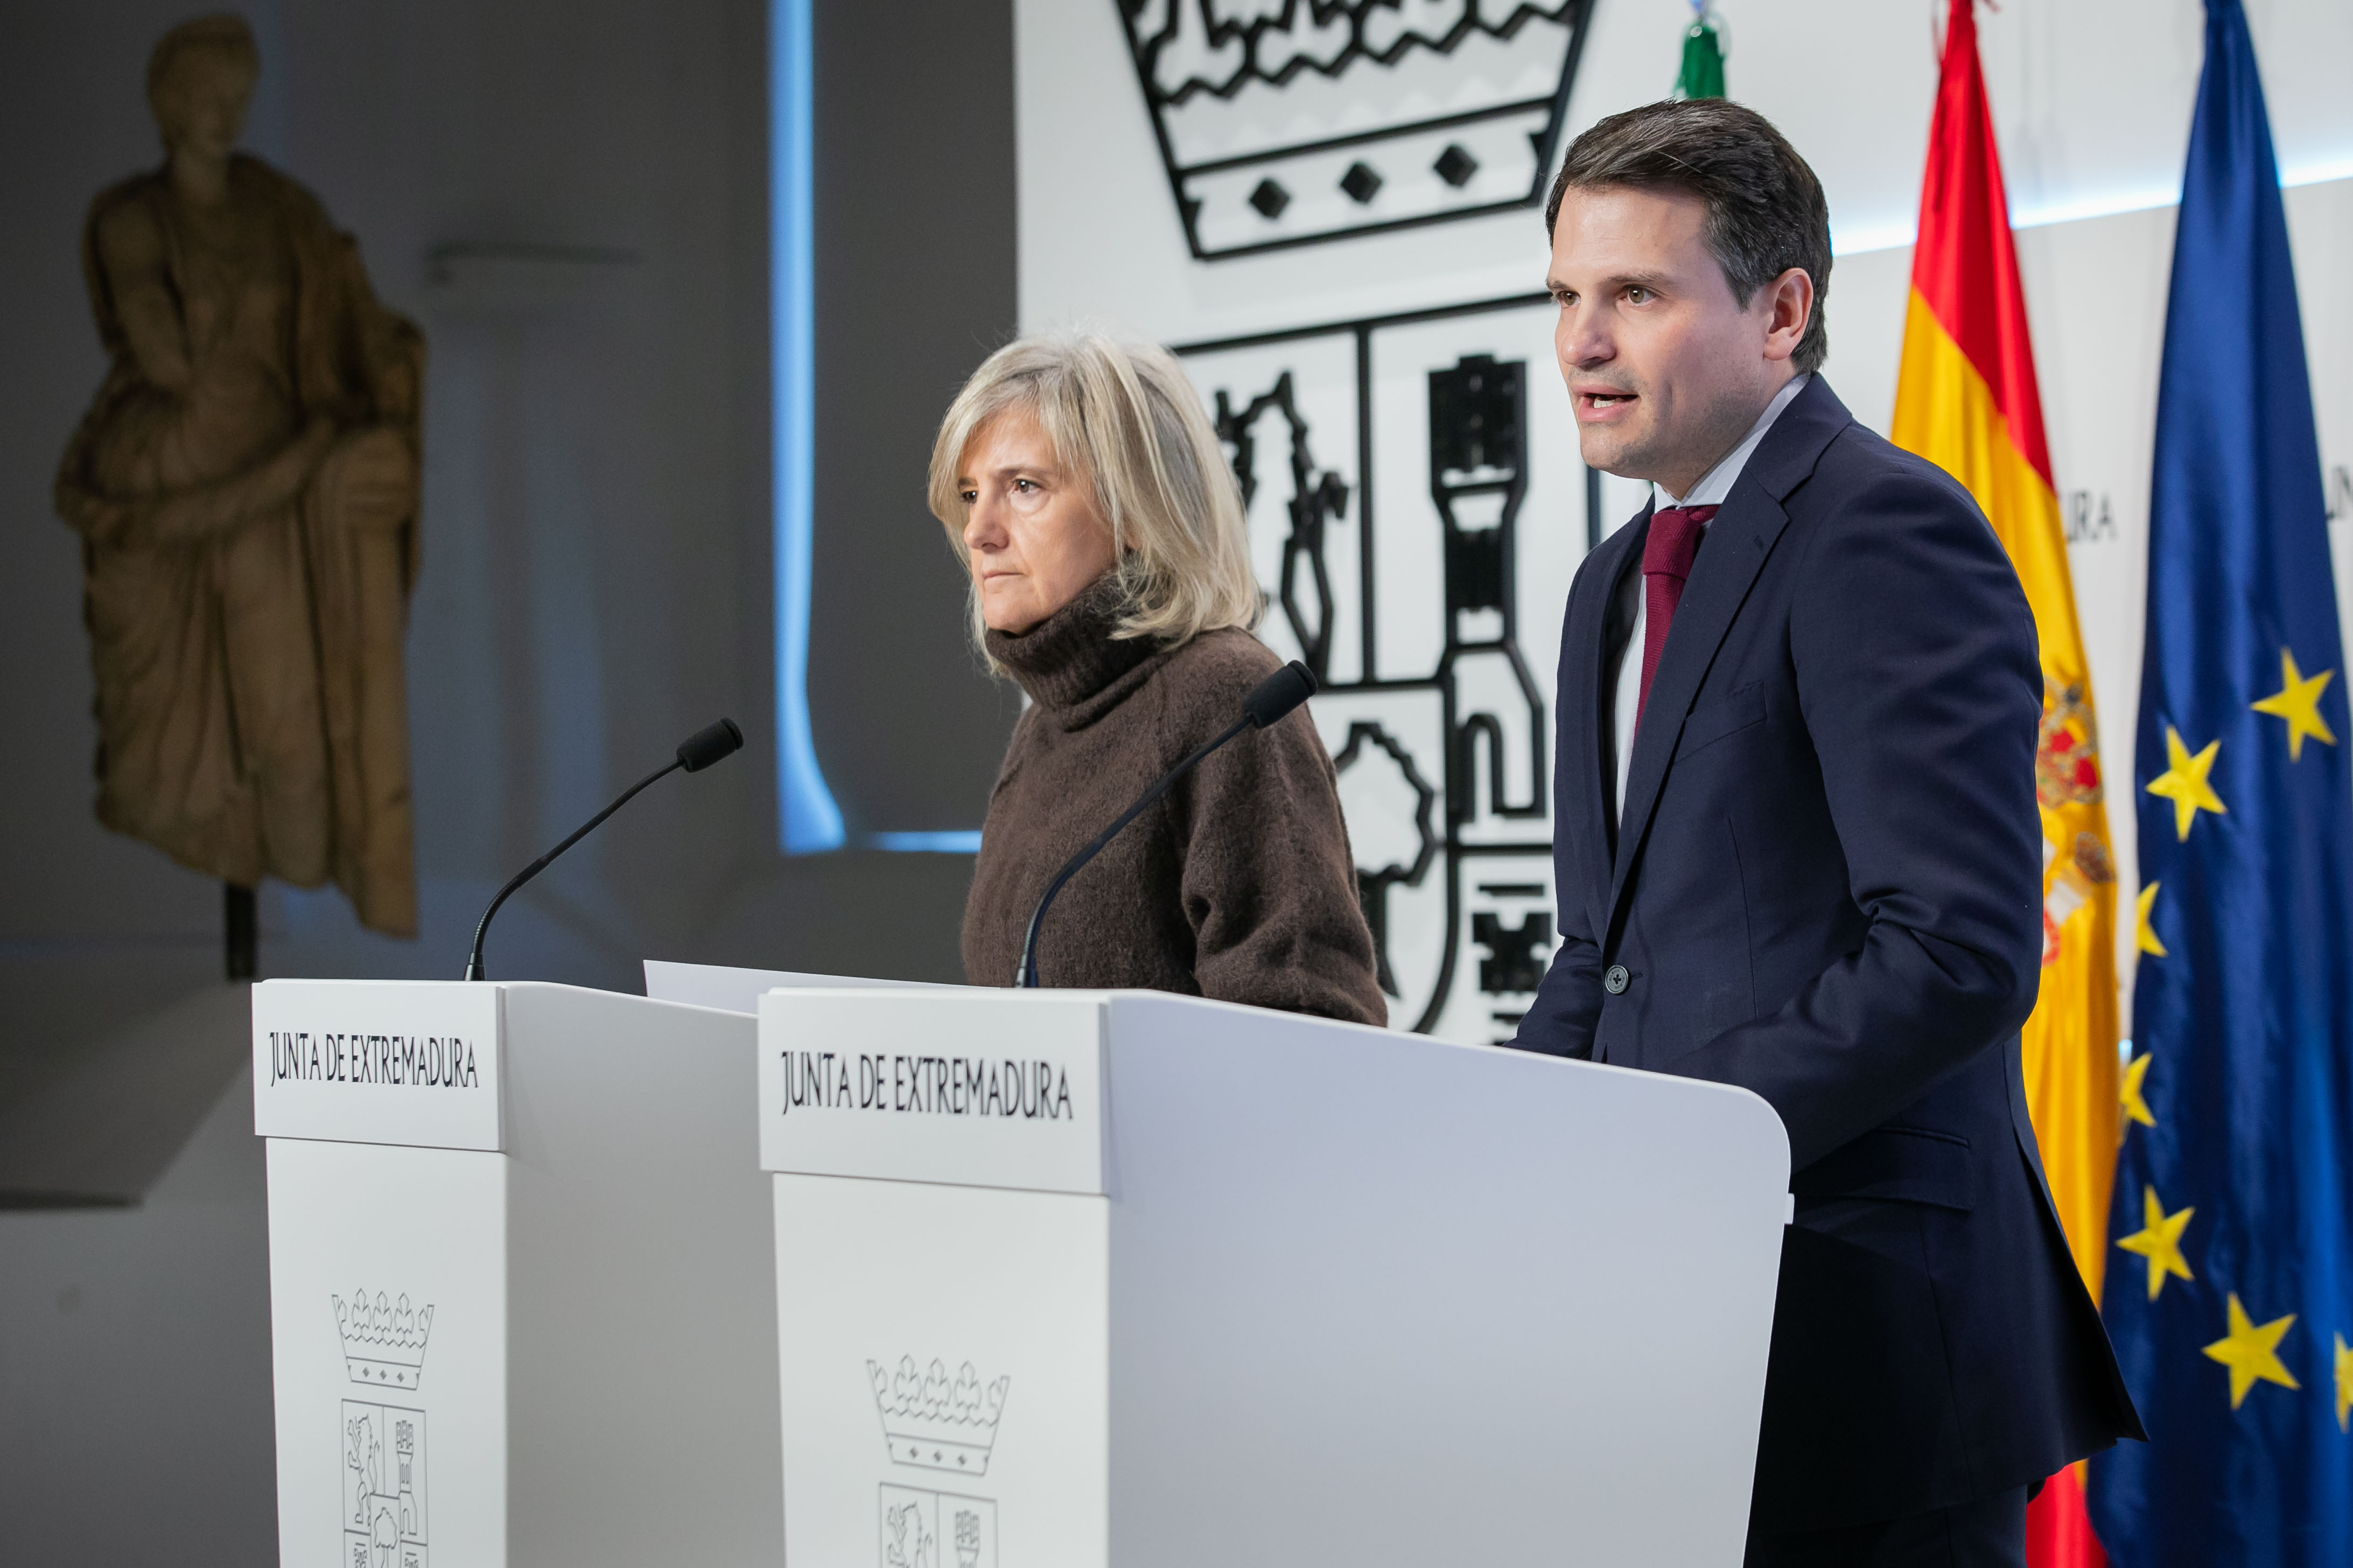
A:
(935, 1421)
(384, 1342)
(1290, 122)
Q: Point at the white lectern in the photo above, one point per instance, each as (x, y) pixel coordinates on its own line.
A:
(522, 1292)
(1089, 1278)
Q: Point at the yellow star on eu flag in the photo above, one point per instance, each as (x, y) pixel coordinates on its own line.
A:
(2298, 702)
(2344, 1386)
(2144, 935)
(2251, 1351)
(2128, 1095)
(2183, 781)
(2160, 1242)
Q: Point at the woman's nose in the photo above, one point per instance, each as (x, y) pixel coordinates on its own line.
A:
(983, 528)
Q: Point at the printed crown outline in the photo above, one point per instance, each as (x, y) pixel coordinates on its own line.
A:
(936, 1422)
(1286, 123)
(1250, 42)
(384, 1342)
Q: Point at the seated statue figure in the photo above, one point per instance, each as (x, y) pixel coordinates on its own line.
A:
(246, 488)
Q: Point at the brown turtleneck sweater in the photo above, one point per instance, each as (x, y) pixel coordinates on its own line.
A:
(1238, 884)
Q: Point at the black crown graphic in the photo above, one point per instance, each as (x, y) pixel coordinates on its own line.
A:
(939, 1422)
(383, 1342)
(1292, 121)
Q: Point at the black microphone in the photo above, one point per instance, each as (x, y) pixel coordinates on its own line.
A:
(696, 753)
(1268, 701)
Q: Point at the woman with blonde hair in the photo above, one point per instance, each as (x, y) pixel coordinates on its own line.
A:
(1079, 479)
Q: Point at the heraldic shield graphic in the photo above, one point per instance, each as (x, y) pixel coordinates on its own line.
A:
(1416, 555)
(382, 1442)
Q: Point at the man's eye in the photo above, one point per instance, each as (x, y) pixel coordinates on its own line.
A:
(1638, 295)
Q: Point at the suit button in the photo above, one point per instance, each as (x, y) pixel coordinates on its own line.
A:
(1615, 980)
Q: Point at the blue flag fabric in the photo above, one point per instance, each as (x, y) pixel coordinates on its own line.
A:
(2230, 1299)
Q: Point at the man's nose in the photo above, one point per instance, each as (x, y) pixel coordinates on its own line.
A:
(1582, 339)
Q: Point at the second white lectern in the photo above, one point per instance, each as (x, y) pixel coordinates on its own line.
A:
(1088, 1277)
(521, 1295)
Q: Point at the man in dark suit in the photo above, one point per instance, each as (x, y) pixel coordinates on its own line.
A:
(1798, 847)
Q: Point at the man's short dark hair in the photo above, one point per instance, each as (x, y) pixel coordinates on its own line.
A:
(1764, 208)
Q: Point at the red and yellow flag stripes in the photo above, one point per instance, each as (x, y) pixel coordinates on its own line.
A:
(1966, 400)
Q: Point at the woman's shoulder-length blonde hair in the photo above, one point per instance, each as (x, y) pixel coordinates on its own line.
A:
(1125, 420)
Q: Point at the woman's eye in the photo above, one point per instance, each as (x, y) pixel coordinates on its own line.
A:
(1023, 487)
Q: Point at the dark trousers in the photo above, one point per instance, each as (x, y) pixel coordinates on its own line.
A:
(1989, 1532)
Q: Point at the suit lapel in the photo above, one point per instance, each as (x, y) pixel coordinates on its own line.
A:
(1597, 714)
(1738, 541)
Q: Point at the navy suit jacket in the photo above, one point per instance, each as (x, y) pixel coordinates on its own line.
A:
(1827, 889)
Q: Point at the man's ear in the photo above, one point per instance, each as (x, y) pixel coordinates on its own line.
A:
(1790, 305)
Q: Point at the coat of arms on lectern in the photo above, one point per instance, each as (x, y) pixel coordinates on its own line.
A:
(938, 1421)
(384, 1486)
(382, 1445)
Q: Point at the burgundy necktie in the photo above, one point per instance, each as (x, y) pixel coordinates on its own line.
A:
(1667, 557)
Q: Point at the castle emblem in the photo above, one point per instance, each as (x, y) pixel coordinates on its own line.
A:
(936, 1530)
(939, 1422)
(2073, 884)
(1291, 121)
(383, 1446)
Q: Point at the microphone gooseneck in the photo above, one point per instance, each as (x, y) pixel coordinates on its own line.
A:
(696, 753)
(1268, 701)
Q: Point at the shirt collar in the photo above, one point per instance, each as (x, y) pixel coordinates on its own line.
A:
(1717, 482)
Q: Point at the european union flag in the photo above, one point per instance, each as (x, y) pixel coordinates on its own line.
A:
(2231, 1300)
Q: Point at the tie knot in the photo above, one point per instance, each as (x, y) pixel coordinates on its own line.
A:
(1674, 541)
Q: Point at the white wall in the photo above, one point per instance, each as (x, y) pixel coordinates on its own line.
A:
(2091, 101)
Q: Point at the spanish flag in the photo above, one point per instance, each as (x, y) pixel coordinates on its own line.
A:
(1966, 400)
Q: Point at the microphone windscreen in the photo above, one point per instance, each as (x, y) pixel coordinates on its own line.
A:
(708, 745)
(1278, 694)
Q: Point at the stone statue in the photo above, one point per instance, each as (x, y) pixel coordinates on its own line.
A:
(246, 488)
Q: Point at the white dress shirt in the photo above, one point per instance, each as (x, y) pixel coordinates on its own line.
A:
(1712, 487)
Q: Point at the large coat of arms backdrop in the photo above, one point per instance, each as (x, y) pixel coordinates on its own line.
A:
(1417, 509)
(1416, 504)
